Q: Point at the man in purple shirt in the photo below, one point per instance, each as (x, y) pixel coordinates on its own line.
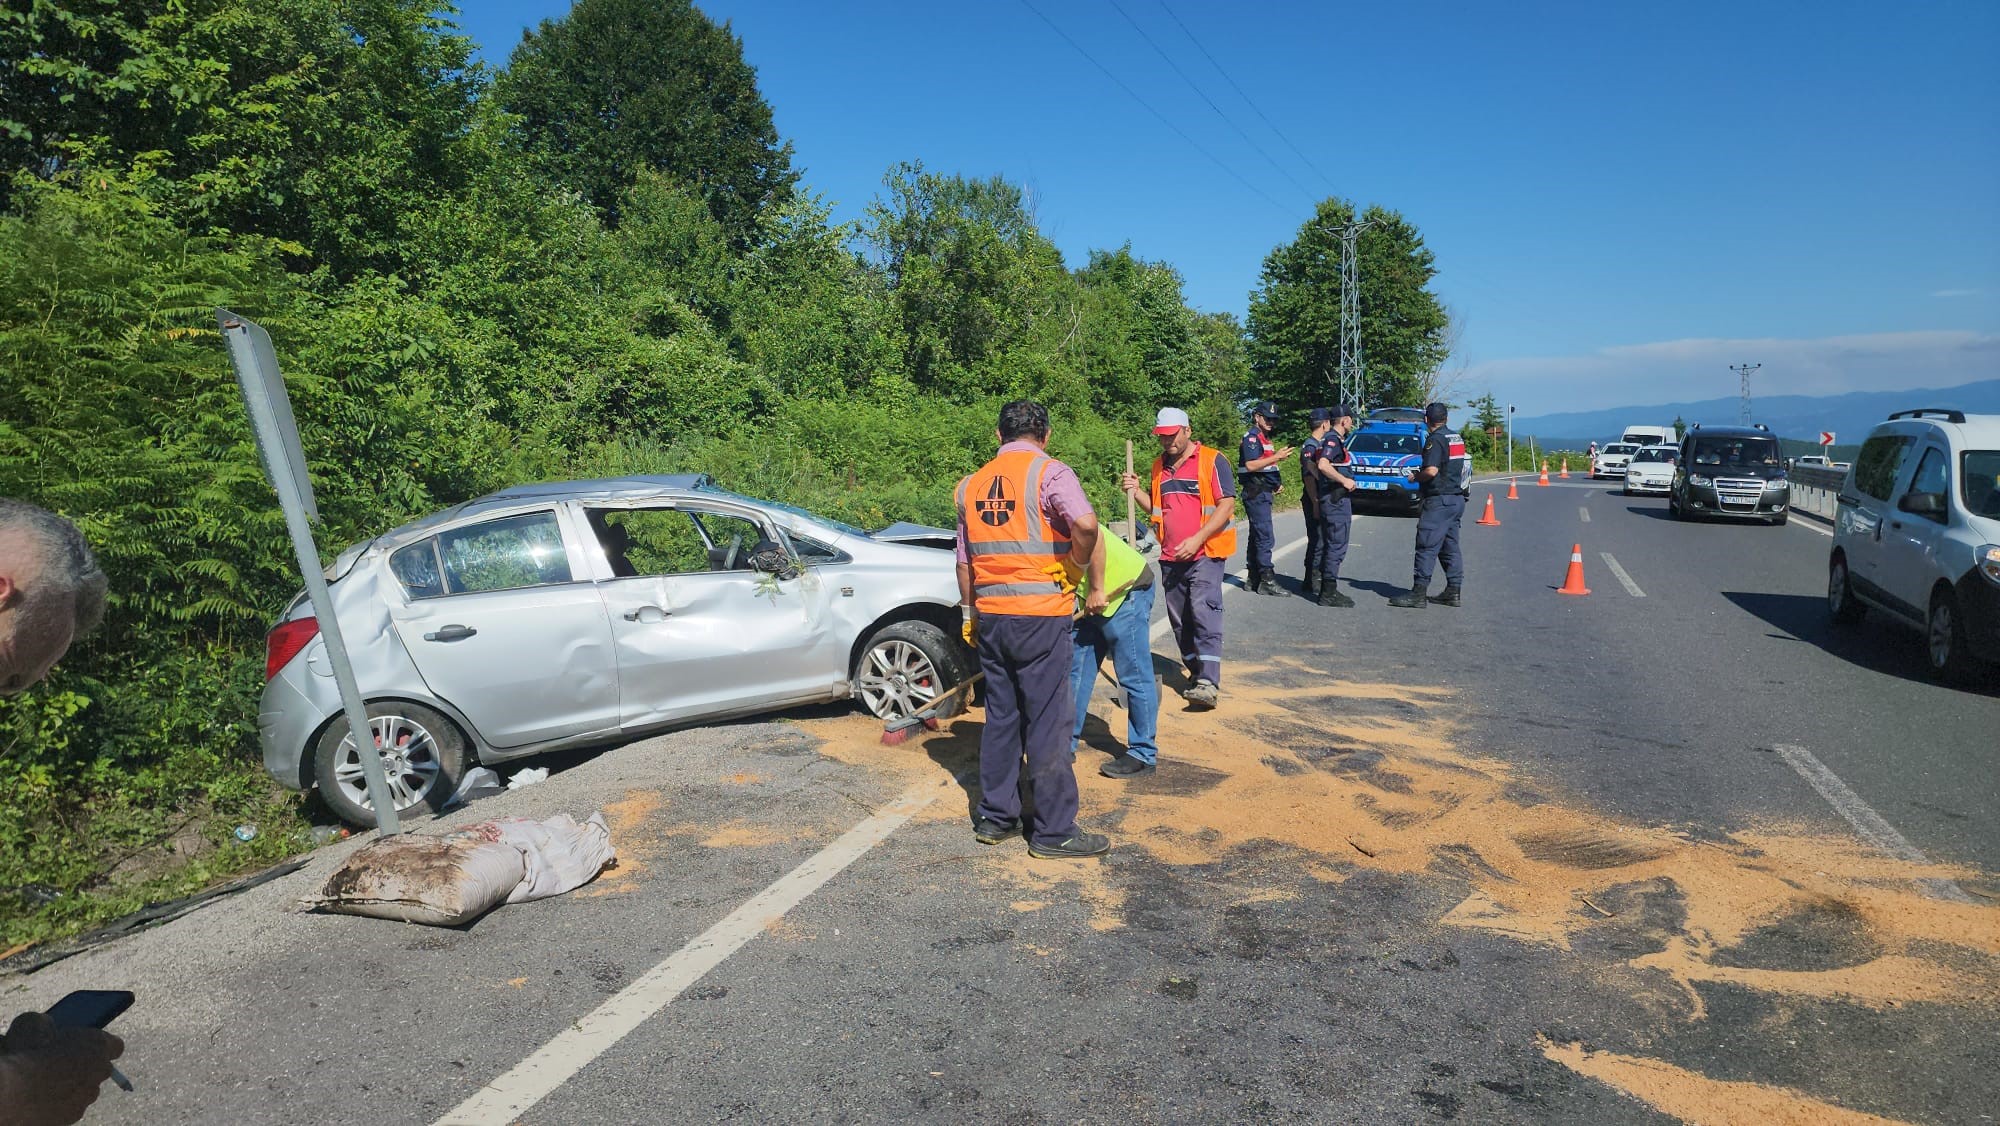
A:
(1025, 535)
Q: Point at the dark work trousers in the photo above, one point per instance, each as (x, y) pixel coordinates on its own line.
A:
(1257, 501)
(1194, 609)
(1315, 538)
(1028, 716)
(1336, 519)
(1437, 541)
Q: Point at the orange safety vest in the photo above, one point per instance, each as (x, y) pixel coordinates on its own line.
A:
(1009, 542)
(1223, 543)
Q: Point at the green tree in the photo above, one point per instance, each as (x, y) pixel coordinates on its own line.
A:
(320, 122)
(620, 87)
(1680, 428)
(1486, 413)
(1295, 312)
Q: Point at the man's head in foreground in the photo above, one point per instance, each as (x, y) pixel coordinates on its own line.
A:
(51, 592)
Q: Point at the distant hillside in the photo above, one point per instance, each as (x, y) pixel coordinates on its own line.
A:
(1799, 417)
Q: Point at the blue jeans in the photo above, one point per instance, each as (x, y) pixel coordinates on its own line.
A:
(1126, 636)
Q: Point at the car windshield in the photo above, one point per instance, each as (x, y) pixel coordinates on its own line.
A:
(1620, 449)
(781, 506)
(1979, 477)
(1379, 442)
(1657, 453)
(1396, 414)
(1736, 453)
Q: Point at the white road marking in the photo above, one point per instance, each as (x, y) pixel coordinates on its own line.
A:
(1161, 627)
(506, 1098)
(1865, 820)
(1585, 513)
(1811, 526)
(1624, 579)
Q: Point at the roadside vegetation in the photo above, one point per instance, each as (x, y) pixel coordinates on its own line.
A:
(472, 284)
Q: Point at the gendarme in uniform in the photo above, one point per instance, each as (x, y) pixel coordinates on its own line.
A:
(1443, 482)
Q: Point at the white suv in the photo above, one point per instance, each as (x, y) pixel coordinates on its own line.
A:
(1918, 534)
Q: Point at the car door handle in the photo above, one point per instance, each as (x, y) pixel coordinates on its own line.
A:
(451, 633)
(647, 614)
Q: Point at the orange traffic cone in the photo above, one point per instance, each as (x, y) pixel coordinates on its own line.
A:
(1544, 478)
(1512, 492)
(1573, 582)
(1565, 473)
(1489, 519)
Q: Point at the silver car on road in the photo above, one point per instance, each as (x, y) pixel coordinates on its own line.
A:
(585, 612)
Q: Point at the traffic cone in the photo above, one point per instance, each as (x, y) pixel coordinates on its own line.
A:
(1512, 492)
(1573, 582)
(1565, 473)
(1544, 478)
(1489, 519)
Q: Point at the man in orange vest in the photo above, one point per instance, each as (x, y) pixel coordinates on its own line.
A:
(1025, 534)
(1192, 501)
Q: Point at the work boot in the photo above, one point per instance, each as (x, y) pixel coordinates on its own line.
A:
(1332, 596)
(1126, 766)
(1273, 589)
(1309, 586)
(1449, 597)
(1414, 600)
(1076, 846)
(993, 832)
(1202, 695)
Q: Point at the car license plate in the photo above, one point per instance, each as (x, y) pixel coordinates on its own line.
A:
(1373, 484)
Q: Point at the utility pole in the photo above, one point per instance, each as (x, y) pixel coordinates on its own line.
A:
(1350, 315)
(1744, 370)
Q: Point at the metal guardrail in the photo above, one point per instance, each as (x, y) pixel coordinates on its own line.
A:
(1816, 491)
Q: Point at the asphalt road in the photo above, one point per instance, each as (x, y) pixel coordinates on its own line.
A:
(1536, 859)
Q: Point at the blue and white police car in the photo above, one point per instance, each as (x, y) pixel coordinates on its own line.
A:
(1384, 453)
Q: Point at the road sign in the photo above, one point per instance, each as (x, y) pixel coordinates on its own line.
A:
(1826, 437)
(263, 387)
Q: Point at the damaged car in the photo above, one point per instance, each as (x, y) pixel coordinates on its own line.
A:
(568, 614)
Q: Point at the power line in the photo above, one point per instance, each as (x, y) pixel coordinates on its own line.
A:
(1226, 120)
(1246, 98)
(1163, 119)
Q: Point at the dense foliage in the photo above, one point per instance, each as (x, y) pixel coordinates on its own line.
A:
(467, 291)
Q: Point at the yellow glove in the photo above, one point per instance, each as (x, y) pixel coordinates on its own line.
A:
(969, 630)
(1062, 575)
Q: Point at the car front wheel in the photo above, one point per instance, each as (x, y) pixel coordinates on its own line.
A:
(1840, 603)
(1944, 636)
(905, 666)
(423, 755)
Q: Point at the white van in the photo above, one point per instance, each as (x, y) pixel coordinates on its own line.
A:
(1650, 436)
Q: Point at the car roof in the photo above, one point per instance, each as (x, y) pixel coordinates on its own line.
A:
(1394, 425)
(1974, 430)
(1729, 431)
(595, 489)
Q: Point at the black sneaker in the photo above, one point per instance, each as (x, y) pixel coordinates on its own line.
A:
(1077, 846)
(1273, 589)
(1414, 600)
(1332, 596)
(993, 832)
(1126, 766)
(1450, 596)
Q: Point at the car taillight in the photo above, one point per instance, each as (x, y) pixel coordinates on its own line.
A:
(284, 643)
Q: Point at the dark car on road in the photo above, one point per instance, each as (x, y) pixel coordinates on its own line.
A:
(1732, 472)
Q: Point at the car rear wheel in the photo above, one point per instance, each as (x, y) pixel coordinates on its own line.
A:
(1840, 603)
(423, 754)
(1944, 636)
(905, 666)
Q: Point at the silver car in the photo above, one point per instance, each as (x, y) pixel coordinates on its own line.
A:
(582, 612)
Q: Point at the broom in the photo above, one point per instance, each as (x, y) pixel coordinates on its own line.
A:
(898, 731)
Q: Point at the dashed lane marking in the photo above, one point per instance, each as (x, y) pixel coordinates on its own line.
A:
(505, 1099)
(1865, 820)
(1585, 513)
(1624, 579)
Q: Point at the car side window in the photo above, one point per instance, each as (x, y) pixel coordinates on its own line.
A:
(1876, 467)
(1979, 480)
(676, 541)
(416, 567)
(811, 551)
(504, 554)
(1932, 484)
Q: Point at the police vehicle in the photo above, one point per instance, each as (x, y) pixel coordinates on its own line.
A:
(1384, 453)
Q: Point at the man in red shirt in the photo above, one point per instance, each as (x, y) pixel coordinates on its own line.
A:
(1192, 499)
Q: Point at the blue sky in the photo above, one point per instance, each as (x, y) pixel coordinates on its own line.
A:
(1623, 199)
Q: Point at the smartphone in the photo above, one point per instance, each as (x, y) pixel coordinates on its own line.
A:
(90, 1008)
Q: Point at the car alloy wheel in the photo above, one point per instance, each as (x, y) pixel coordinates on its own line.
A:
(1840, 603)
(423, 755)
(905, 666)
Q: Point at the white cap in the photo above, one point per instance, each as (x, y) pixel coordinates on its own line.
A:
(1170, 420)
